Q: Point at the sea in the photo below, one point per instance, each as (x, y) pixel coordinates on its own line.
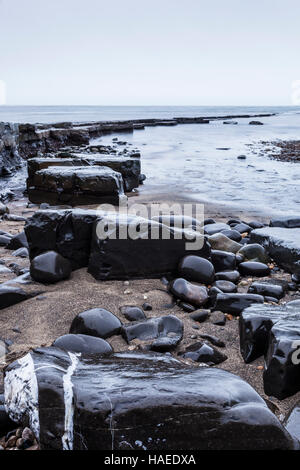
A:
(199, 161)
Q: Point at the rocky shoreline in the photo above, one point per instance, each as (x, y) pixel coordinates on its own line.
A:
(212, 330)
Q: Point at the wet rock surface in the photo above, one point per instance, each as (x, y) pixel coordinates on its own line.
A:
(11, 295)
(236, 303)
(203, 352)
(254, 268)
(166, 332)
(194, 294)
(132, 313)
(96, 322)
(50, 267)
(85, 344)
(200, 394)
(194, 268)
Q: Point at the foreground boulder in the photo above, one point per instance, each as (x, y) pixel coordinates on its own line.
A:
(137, 401)
(273, 331)
(77, 185)
(74, 234)
(197, 269)
(50, 267)
(166, 332)
(192, 293)
(254, 268)
(282, 245)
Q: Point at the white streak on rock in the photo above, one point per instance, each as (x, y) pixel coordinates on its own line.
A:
(67, 438)
(21, 394)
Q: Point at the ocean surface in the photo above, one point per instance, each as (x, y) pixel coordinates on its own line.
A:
(187, 160)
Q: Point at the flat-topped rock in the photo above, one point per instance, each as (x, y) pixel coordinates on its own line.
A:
(273, 331)
(286, 222)
(77, 185)
(137, 401)
(282, 244)
(130, 168)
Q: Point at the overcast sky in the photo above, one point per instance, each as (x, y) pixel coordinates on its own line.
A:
(158, 52)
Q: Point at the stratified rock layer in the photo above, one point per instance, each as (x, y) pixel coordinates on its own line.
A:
(137, 401)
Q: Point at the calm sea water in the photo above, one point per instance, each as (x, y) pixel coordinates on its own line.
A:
(186, 159)
(49, 114)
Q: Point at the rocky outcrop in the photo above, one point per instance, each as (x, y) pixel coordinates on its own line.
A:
(273, 331)
(282, 244)
(101, 403)
(130, 168)
(77, 185)
(9, 155)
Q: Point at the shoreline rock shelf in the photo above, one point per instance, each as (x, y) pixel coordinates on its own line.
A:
(172, 406)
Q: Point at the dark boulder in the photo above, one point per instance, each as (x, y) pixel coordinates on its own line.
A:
(223, 260)
(232, 276)
(18, 241)
(254, 252)
(200, 315)
(242, 228)
(108, 402)
(236, 303)
(96, 322)
(292, 421)
(254, 268)
(4, 241)
(21, 253)
(161, 333)
(286, 222)
(267, 289)
(197, 269)
(132, 313)
(214, 340)
(225, 286)
(84, 344)
(50, 267)
(282, 245)
(211, 229)
(232, 234)
(11, 295)
(188, 292)
(202, 352)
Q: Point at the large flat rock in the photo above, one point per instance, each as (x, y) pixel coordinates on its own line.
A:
(77, 185)
(130, 168)
(282, 244)
(137, 401)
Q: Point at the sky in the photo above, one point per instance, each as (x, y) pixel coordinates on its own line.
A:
(158, 52)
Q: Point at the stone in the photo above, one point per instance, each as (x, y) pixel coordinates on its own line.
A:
(77, 185)
(6, 424)
(225, 286)
(232, 276)
(200, 315)
(236, 303)
(21, 253)
(219, 241)
(85, 344)
(18, 241)
(74, 235)
(211, 229)
(254, 268)
(292, 421)
(11, 295)
(286, 222)
(242, 228)
(256, 123)
(96, 322)
(256, 224)
(127, 397)
(214, 340)
(202, 352)
(218, 318)
(4, 241)
(3, 209)
(194, 294)
(281, 244)
(254, 252)
(4, 270)
(186, 307)
(161, 333)
(132, 313)
(267, 289)
(232, 235)
(130, 168)
(50, 267)
(111, 257)
(197, 269)
(223, 260)
(146, 307)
